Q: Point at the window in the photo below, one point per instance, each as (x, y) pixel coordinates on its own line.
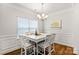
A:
(26, 25)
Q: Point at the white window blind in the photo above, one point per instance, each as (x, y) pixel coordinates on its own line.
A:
(26, 25)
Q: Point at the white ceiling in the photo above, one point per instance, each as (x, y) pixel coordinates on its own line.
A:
(47, 7)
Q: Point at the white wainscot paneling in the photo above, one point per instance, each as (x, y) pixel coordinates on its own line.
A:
(8, 43)
(65, 39)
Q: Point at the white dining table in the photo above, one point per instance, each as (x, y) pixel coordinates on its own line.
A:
(36, 38)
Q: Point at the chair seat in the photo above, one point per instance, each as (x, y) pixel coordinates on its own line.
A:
(26, 45)
(43, 45)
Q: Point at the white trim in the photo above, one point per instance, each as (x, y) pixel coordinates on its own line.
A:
(9, 50)
(76, 51)
(65, 44)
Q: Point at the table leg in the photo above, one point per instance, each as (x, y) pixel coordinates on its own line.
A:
(37, 48)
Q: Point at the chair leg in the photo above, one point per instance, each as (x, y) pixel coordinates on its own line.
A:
(53, 48)
(44, 51)
(37, 48)
(25, 51)
(49, 50)
(21, 51)
(34, 50)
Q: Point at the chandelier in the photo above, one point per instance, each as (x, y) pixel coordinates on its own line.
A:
(42, 15)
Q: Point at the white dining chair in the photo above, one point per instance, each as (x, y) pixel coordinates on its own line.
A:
(26, 45)
(49, 40)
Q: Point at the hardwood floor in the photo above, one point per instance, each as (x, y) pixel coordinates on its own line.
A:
(59, 50)
(63, 50)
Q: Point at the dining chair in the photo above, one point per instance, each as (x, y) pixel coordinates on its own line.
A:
(26, 45)
(49, 41)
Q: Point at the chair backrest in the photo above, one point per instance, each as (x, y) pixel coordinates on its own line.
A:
(50, 38)
(28, 33)
(23, 40)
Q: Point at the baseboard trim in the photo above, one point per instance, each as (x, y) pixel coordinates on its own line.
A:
(65, 44)
(9, 50)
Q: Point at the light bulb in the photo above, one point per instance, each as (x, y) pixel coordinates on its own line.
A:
(46, 16)
(43, 14)
(38, 16)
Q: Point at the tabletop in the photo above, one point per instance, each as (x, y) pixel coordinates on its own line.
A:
(35, 38)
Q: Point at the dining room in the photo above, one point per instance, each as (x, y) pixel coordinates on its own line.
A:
(39, 28)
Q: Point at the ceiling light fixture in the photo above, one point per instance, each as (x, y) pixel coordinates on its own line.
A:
(42, 15)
